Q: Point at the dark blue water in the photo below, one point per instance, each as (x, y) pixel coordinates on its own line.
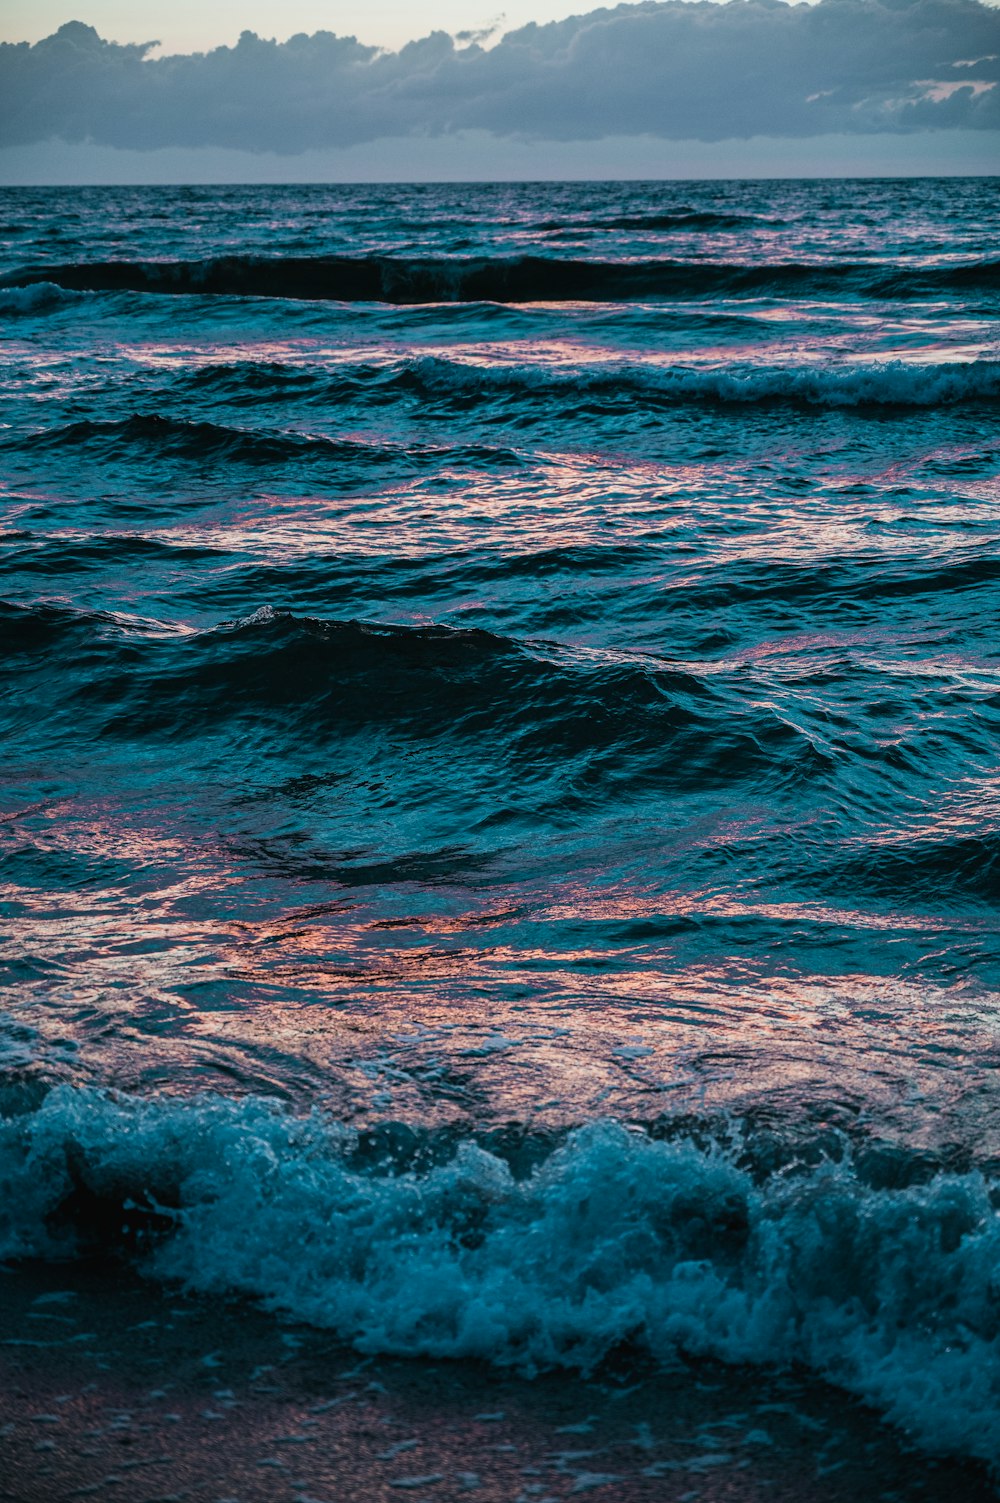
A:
(501, 834)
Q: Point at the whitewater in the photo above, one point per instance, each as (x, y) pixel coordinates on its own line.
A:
(500, 838)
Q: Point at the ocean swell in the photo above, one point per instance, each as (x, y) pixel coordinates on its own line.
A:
(679, 219)
(509, 279)
(156, 436)
(461, 382)
(623, 714)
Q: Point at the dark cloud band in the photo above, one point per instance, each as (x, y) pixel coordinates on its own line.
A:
(701, 71)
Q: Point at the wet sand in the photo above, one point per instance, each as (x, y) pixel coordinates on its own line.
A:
(113, 1389)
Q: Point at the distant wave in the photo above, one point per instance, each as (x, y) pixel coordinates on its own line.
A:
(871, 383)
(164, 436)
(685, 219)
(893, 382)
(679, 1245)
(511, 279)
(248, 381)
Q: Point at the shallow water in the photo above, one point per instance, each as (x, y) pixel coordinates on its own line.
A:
(500, 812)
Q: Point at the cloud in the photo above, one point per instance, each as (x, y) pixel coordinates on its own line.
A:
(696, 71)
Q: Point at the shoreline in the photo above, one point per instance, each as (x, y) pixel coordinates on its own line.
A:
(115, 1388)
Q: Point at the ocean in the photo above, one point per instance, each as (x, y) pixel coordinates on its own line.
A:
(501, 838)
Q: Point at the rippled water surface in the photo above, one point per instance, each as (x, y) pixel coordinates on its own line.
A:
(501, 828)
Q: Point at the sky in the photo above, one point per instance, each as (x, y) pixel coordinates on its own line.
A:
(193, 26)
(659, 88)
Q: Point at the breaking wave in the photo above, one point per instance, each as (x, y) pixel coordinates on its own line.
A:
(33, 297)
(511, 279)
(887, 383)
(447, 1248)
(872, 383)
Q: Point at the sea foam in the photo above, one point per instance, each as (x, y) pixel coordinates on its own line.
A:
(678, 1247)
(872, 383)
(35, 297)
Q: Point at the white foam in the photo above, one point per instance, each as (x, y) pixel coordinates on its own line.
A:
(35, 297)
(888, 382)
(262, 616)
(614, 1237)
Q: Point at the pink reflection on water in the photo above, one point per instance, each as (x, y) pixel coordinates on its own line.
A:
(174, 965)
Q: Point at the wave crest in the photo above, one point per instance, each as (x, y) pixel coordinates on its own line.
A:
(511, 279)
(157, 435)
(34, 297)
(876, 383)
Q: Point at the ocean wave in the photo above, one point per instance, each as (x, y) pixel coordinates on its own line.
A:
(876, 383)
(161, 435)
(249, 380)
(872, 383)
(629, 716)
(512, 279)
(961, 867)
(32, 632)
(46, 555)
(34, 297)
(675, 1244)
(28, 631)
(578, 722)
(680, 219)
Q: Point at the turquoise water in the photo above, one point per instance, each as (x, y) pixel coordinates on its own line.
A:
(500, 825)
